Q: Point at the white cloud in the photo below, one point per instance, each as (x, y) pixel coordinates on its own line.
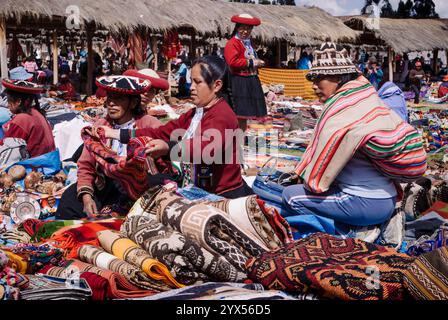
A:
(334, 7)
(442, 8)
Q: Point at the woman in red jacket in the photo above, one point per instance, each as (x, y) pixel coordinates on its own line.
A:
(208, 147)
(28, 121)
(246, 92)
(94, 189)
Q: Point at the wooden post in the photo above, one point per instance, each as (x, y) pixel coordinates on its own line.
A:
(391, 65)
(155, 51)
(54, 50)
(169, 76)
(193, 46)
(3, 52)
(435, 65)
(90, 62)
(278, 60)
(14, 49)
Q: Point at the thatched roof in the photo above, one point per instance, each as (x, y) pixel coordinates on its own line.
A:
(299, 25)
(405, 35)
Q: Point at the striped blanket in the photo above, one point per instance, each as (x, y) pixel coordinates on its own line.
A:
(356, 120)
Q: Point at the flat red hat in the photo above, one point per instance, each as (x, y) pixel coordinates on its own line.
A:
(246, 19)
(124, 84)
(151, 75)
(22, 86)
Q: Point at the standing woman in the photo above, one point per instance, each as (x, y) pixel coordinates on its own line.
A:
(246, 92)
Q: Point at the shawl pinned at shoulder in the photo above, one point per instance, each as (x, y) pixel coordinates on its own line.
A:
(355, 119)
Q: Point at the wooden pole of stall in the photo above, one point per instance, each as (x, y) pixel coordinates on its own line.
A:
(155, 51)
(90, 62)
(391, 65)
(54, 50)
(3, 52)
(193, 46)
(435, 64)
(169, 76)
(278, 60)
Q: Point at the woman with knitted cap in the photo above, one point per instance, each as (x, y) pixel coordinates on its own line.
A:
(97, 185)
(247, 95)
(359, 151)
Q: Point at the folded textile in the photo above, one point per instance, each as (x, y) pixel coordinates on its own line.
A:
(130, 171)
(427, 277)
(233, 237)
(11, 282)
(430, 243)
(100, 258)
(98, 284)
(250, 214)
(356, 120)
(221, 291)
(16, 236)
(129, 251)
(44, 287)
(72, 237)
(187, 260)
(43, 230)
(120, 288)
(348, 269)
(29, 258)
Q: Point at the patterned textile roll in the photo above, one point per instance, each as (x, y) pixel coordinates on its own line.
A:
(100, 258)
(120, 288)
(129, 251)
(427, 277)
(187, 260)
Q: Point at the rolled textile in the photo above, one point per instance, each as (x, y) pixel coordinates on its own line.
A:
(16, 236)
(347, 269)
(187, 260)
(98, 284)
(72, 237)
(129, 251)
(251, 214)
(100, 258)
(211, 227)
(120, 288)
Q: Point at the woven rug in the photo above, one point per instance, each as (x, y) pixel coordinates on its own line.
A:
(331, 267)
(186, 259)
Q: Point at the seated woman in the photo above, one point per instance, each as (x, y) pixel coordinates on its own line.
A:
(198, 130)
(28, 119)
(360, 147)
(94, 189)
(157, 84)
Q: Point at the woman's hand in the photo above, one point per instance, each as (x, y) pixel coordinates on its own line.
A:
(157, 148)
(259, 63)
(89, 205)
(109, 133)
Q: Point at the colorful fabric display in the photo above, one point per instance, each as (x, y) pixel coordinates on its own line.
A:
(100, 258)
(129, 251)
(186, 259)
(427, 277)
(331, 267)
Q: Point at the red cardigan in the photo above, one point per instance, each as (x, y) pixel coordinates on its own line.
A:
(234, 53)
(34, 129)
(87, 173)
(226, 177)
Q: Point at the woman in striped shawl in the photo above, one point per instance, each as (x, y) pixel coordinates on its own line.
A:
(359, 152)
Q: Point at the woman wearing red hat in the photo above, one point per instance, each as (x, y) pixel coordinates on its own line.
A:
(246, 92)
(28, 121)
(94, 189)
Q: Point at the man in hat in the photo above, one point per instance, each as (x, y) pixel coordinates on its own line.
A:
(348, 169)
(95, 189)
(374, 72)
(416, 77)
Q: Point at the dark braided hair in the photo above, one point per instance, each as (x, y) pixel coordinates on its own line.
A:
(27, 101)
(214, 68)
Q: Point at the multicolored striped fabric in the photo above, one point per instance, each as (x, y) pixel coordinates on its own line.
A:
(356, 120)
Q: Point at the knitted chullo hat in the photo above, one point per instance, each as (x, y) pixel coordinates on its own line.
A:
(330, 60)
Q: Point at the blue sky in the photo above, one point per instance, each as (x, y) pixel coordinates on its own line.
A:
(353, 7)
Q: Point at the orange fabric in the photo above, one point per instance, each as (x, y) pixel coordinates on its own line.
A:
(294, 81)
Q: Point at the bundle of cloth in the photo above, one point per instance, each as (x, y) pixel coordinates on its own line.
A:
(205, 241)
(11, 281)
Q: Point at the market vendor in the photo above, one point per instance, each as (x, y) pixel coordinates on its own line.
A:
(197, 127)
(359, 150)
(94, 189)
(246, 92)
(28, 119)
(158, 84)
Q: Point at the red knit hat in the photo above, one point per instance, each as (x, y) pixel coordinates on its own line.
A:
(246, 19)
(124, 84)
(22, 86)
(151, 75)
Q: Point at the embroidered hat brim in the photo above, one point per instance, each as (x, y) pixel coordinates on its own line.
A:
(22, 86)
(124, 84)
